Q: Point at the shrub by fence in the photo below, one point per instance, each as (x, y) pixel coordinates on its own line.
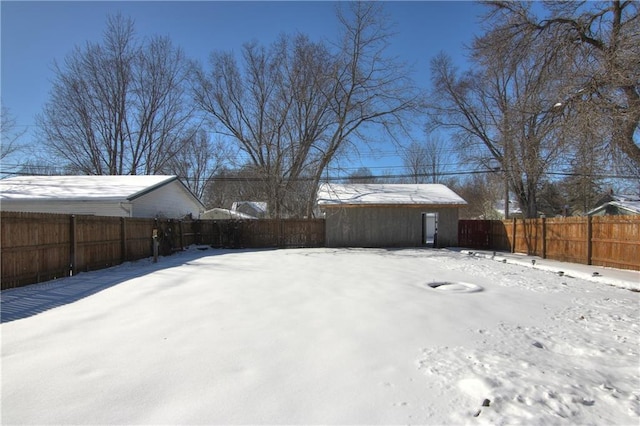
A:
(38, 246)
(612, 241)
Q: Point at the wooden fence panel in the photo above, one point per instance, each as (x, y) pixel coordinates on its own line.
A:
(303, 233)
(616, 241)
(35, 247)
(262, 233)
(139, 243)
(186, 235)
(207, 232)
(225, 233)
(484, 234)
(500, 235)
(475, 234)
(265, 233)
(528, 237)
(566, 239)
(98, 242)
(510, 233)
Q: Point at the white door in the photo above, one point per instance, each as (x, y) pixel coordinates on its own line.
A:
(429, 228)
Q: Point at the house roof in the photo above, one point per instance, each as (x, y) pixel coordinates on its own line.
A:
(219, 213)
(633, 207)
(514, 207)
(387, 194)
(83, 187)
(258, 206)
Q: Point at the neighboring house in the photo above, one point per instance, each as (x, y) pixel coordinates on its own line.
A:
(257, 209)
(617, 205)
(514, 209)
(388, 215)
(218, 214)
(123, 196)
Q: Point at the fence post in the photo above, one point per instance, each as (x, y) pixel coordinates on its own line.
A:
(73, 246)
(181, 234)
(123, 239)
(544, 237)
(281, 239)
(513, 236)
(589, 238)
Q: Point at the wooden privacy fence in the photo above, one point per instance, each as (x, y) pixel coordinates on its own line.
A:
(612, 241)
(36, 247)
(263, 233)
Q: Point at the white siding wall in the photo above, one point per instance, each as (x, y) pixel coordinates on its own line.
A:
(169, 201)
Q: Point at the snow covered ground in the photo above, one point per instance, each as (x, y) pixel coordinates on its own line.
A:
(308, 336)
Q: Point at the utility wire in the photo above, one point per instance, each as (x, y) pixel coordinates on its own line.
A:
(367, 177)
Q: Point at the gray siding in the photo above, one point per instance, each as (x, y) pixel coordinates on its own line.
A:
(386, 226)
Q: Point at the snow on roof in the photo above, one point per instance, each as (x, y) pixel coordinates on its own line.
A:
(631, 206)
(259, 206)
(514, 207)
(219, 213)
(79, 187)
(376, 194)
(625, 198)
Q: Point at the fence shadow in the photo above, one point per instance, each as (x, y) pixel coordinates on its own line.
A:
(23, 302)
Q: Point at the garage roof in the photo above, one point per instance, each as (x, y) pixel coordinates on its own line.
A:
(330, 194)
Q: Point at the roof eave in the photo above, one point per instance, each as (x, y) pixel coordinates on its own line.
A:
(151, 188)
(412, 205)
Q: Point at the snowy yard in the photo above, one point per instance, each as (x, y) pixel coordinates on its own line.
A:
(307, 336)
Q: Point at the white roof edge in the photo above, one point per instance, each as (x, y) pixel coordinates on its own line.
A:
(169, 178)
(627, 205)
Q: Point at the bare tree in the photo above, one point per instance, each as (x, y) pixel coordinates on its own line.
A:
(230, 185)
(415, 158)
(362, 175)
(118, 107)
(369, 89)
(10, 133)
(587, 161)
(272, 106)
(436, 155)
(600, 45)
(505, 111)
(294, 106)
(481, 191)
(424, 161)
(199, 161)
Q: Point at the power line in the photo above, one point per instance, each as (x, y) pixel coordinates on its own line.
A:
(365, 177)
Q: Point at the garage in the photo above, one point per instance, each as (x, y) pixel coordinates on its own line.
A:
(389, 215)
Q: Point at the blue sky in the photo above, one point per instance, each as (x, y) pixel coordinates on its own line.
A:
(34, 34)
